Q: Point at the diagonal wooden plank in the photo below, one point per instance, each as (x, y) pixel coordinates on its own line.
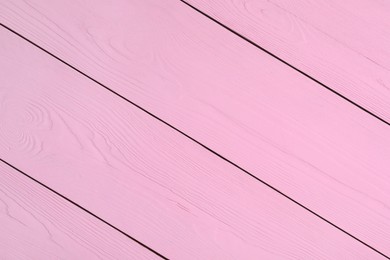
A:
(37, 224)
(280, 126)
(343, 45)
(144, 177)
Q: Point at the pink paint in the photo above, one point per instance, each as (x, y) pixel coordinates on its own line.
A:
(141, 176)
(272, 121)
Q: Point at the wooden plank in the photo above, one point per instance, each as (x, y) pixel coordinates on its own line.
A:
(279, 125)
(343, 44)
(35, 223)
(143, 177)
(338, 43)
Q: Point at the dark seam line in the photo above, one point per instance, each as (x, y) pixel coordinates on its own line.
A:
(285, 62)
(194, 140)
(84, 209)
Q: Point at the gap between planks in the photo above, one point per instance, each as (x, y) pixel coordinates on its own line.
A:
(285, 62)
(84, 209)
(40, 223)
(333, 42)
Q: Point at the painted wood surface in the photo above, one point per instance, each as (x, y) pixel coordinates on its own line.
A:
(37, 224)
(279, 125)
(343, 44)
(143, 177)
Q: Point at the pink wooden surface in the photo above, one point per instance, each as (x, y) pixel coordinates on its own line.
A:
(142, 176)
(279, 125)
(37, 224)
(343, 44)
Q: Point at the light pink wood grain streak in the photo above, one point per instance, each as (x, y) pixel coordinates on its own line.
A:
(279, 125)
(142, 176)
(37, 224)
(343, 44)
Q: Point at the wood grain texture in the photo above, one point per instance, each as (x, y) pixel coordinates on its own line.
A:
(35, 223)
(343, 44)
(142, 176)
(279, 125)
